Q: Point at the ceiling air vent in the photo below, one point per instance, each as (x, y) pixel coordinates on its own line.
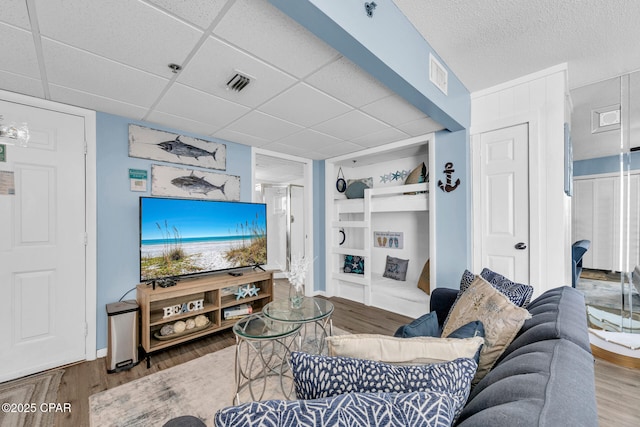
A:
(438, 74)
(238, 82)
(605, 118)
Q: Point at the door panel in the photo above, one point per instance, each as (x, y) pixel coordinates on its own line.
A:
(504, 171)
(42, 272)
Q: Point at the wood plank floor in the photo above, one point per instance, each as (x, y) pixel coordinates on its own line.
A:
(617, 388)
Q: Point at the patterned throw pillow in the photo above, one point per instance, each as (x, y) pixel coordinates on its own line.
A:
(353, 264)
(518, 293)
(396, 268)
(429, 409)
(317, 376)
(500, 317)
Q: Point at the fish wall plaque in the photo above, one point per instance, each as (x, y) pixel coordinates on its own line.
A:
(193, 184)
(147, 143)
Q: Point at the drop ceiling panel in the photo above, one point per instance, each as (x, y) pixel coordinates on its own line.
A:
(348, 83)
(130, 32)
(20, 84)
(216, 62)
(264, 126)
(76, 69)
(421, 126)
(304, 105)
(183, 101)
(15, 12)
(95, 102)
(181, 123)
(354, 124)
(309, 140)
(17, 54)
(264, 31)
(199, 12)
(241, 138)
(393, 110)
(380, 138)
(323, 152)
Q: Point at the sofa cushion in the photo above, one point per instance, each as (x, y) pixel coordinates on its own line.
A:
(547, 383)
(518, 293)
(501, 319)
(317, 376)
(417, 409)
(408, 351)
(557, 313)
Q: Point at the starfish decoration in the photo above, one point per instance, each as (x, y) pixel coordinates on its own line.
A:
(242, 292)
(395, 176)
(384, 178)
(253, 291)
(404, 173)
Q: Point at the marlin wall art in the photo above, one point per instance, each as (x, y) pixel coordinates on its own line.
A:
(169, 147)
(193, 184)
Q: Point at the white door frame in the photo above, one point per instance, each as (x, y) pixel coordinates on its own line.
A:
(308, 203)
(537, 221)
(90, 206)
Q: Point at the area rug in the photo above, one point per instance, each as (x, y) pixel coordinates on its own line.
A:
(198, 388)
(34, 390)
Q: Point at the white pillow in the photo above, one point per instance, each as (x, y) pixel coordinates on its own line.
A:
(403, 351)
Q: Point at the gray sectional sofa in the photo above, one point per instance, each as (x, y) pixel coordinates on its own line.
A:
(545, 377)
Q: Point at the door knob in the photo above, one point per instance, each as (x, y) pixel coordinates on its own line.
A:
(521, 246)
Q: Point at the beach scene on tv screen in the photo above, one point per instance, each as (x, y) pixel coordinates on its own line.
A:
(182, 237)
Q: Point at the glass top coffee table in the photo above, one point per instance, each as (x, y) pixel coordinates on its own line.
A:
(263, 348)
(316, 311)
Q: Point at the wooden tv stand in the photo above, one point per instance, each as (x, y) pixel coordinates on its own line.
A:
(216, 291)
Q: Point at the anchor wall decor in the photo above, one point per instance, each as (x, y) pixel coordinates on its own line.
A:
(448, 171)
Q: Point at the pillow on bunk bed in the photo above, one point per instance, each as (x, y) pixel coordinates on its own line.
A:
(417, 176)
(353, 264)
(356, 187)
(396, 268)
(424, 281)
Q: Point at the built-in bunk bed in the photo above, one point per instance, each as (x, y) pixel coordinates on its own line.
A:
(392, 219)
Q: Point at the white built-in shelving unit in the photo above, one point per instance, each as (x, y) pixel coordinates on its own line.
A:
(389, 206)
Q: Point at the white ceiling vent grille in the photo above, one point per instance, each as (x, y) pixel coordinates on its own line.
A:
(438, 75)
(604, 119)
(238, 82)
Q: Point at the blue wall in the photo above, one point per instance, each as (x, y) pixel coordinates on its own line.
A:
(607, 164)
(319, 227)
(453, 209)
(118, 252)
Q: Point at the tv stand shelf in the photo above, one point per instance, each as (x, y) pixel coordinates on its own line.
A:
(208, 288)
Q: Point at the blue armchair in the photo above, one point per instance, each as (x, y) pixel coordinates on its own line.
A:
(578, 249)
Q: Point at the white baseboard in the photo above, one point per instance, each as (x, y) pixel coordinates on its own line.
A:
(102, 352)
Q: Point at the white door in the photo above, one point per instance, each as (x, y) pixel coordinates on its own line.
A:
(276, 198)
(504, 171)
(42, 244)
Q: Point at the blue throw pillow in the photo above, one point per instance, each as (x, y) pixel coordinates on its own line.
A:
(424, 326)
(316, 376)
(353, 264)
(419, 409)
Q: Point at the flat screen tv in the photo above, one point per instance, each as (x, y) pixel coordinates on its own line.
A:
(180, 237)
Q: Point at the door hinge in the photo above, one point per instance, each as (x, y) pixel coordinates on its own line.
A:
(86, 329)
(86, 239)
(86, 147)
